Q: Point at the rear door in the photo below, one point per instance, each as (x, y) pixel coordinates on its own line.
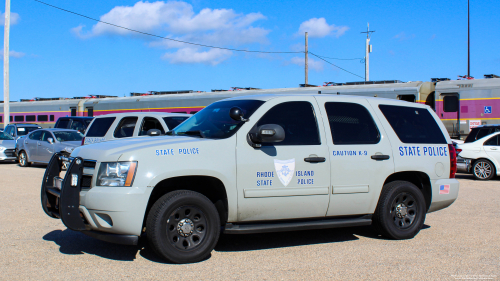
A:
(360, 153)
(492, 149)
(277, 180)
(149, 123)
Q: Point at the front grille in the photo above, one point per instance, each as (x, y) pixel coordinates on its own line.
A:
(86, 181)
(10, 153)
(89, 164)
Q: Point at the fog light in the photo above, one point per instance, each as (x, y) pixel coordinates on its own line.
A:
(74, 180)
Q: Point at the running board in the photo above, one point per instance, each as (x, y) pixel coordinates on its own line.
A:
(297, 225)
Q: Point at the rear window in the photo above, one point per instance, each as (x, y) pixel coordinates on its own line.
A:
(100, 127)
(62, 123)
(173, 122)
(21, 131)
(413, 125)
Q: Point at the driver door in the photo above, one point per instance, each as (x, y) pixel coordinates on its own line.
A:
(45, 148)
(277, 181)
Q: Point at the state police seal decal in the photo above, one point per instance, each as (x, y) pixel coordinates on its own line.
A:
(285, 170)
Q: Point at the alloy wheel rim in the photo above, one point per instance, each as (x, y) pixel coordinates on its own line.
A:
(186, 228)
(482, 170)
(23, 158)
(404, 210)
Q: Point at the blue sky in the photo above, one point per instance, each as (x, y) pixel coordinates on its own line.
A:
(58, 54)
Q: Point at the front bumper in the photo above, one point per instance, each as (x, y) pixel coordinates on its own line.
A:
(8, 154)
(61, 199)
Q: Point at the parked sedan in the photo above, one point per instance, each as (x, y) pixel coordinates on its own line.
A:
(7, 146)
(482, 156)
(40, 145)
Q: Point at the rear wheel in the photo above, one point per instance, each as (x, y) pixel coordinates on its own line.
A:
(483, 169)
(23, 159)
(400, 212)
(183, 226)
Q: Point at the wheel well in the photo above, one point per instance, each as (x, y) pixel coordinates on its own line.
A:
(211, 187)
(420, 179)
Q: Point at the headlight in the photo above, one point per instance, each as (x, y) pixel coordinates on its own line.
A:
(2, 148)
(116, 173)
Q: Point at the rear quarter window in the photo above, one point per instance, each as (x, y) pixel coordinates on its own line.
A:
(413, 125)
(100, 127)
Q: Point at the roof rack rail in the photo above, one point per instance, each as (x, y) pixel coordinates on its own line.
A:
(171, 92)
(243, 88)
(306, 85)
(489, 76)
(439, 79)
(221, 90)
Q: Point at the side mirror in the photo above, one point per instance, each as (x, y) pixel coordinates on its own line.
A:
(267, 133)
(154, 132)
(237, 114)
(50, 140)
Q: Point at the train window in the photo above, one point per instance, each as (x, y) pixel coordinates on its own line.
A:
(90, 112)
(51, 117)
(173, 122)
(100, 127)
(193, 112)
(1, 119)
(126, 127)
(351, 123)
(43, 118)
(149, 123)
(19, 118)
(11, 118)
(30, 118)
(409, 98)
(73, 111)
(413, 125)
(450, 103)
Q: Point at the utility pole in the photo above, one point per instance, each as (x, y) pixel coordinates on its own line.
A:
(306, 63)
(367, 52)
(468, 39)
(6, 98)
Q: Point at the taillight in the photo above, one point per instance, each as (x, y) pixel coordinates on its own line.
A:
(453, 161)
(83, 140)
(458, 151)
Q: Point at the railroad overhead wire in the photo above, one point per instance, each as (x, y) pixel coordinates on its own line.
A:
(191, 43)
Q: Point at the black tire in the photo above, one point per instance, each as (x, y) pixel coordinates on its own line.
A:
(23, 159)
(183, 227)
(400, 213)
(483, 170)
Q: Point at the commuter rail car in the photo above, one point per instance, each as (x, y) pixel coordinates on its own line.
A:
(472, 97)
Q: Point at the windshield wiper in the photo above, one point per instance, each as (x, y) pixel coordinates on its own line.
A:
(195, 133)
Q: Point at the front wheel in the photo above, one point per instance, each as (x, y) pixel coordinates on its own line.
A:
(23, 159)
(183, 226)
(483, 169)
(400, 212)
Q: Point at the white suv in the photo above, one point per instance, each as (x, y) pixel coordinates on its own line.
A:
(482, 156)
(261, 163)
(132, 124)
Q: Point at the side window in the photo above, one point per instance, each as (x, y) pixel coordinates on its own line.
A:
(46, 135)
(100, 127)
(62, 123)
(36, 135)
(126, 127)
(492, 141)
(297, 119)
(483, 133)
(77, 125)
(149, 123)
(173, 122)
(413, 124)
(351, 123)
(9, 130)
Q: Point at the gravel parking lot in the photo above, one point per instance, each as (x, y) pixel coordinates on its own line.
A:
(460, 242)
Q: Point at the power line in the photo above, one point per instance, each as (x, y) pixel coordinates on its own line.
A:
(341, 59)
(335, 65)
(165, 38)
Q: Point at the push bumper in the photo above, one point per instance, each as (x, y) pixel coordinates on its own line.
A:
(61, 199)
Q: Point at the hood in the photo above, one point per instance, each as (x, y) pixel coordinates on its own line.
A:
(9, 144)
(112, 150)
(70, 143)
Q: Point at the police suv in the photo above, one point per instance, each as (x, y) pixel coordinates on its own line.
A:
(262, 163)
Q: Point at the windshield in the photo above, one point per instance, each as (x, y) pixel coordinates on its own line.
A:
(214, 122)
(68, 136)
(22, 131)
(4, 136)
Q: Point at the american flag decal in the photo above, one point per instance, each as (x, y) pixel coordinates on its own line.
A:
(444, 189)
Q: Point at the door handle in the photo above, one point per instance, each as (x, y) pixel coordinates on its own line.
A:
(380, 157)
(39, 144)
(315, 159)
(493, 148)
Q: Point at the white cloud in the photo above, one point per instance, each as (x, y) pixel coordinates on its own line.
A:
(217, 27)
(14, 18)
(13, 54)
(319, 28)
(402, 36)
(312, 64)
(192, 55)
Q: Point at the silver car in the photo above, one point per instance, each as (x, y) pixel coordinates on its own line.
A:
(7, 147)
(40, 145)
